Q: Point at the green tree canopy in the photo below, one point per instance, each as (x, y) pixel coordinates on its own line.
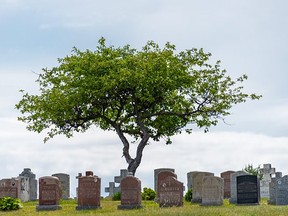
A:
(149, 94)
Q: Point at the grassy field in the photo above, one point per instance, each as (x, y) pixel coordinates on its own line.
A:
(151, 208)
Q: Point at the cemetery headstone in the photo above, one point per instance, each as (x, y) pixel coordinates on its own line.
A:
(156, 172)
(267, 172)
(227, 183)
(33, 184)
(130, 193)
(113, 189)
(49, 193)
(170, 192)
(281, 189)
(65, 184)
(272, 188)
(89, 187)
(160, 177)
(197, 182)
(10, 187)
(248, 189)
(233, 198)
(25, 188)
(212, 191)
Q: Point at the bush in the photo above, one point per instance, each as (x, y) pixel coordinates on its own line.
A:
(148, 194)
(9, 203)
(116, 196)
(188, 195)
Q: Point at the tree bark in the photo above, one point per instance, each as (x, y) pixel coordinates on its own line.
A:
(134, 163)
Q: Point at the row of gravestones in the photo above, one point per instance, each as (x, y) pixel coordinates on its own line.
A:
(207, 189)
(24, 187)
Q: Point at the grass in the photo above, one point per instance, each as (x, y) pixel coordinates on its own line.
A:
(150, 208)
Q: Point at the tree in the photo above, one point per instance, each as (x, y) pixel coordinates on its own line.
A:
(148, 94)
(253, 171)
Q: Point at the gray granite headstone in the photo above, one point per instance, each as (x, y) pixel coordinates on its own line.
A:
(65, 184)
(233, 198)
(272, 188)
(197, 183)
(281, 187)
(267, 172)
(212, 191)
(113, 188)
(33, 184)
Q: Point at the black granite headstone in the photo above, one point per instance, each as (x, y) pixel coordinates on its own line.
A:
(248, 189)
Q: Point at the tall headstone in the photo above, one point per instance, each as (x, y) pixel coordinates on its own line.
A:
(170, 191)
(272, 188)
(233, 198)
(49, 193)
(10, 187)
(160, 177)
(212, 191)
(248, 189)
(25, 188)
(156, 172)
(65, 184)
(89, 187)
(281, 189)
(197, 182)
(33, 184)
(267, 172)
(227, 183)
(130, 193)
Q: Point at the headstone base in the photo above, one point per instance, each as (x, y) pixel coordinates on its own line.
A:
(48, 207)
(87, 207)
(123, 207)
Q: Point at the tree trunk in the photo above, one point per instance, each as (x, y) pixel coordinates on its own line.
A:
(133, 164)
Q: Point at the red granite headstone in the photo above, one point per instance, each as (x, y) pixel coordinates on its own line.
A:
(161, 176)
(89, 187)
(170, 192)
(10, 187)
(130, 193)
(227, 183)
(49, 193)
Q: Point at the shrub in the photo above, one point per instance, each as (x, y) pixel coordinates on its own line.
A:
(188, 195)
(148, 194)
(116, 196)
(9, 203)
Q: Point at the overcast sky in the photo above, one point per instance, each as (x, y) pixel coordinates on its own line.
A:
(247, 36)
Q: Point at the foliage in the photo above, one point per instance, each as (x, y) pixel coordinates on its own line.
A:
(116, 196)
(9, 203)
(254, 171)
(148, 194)
(149, 94)
(188, 195)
